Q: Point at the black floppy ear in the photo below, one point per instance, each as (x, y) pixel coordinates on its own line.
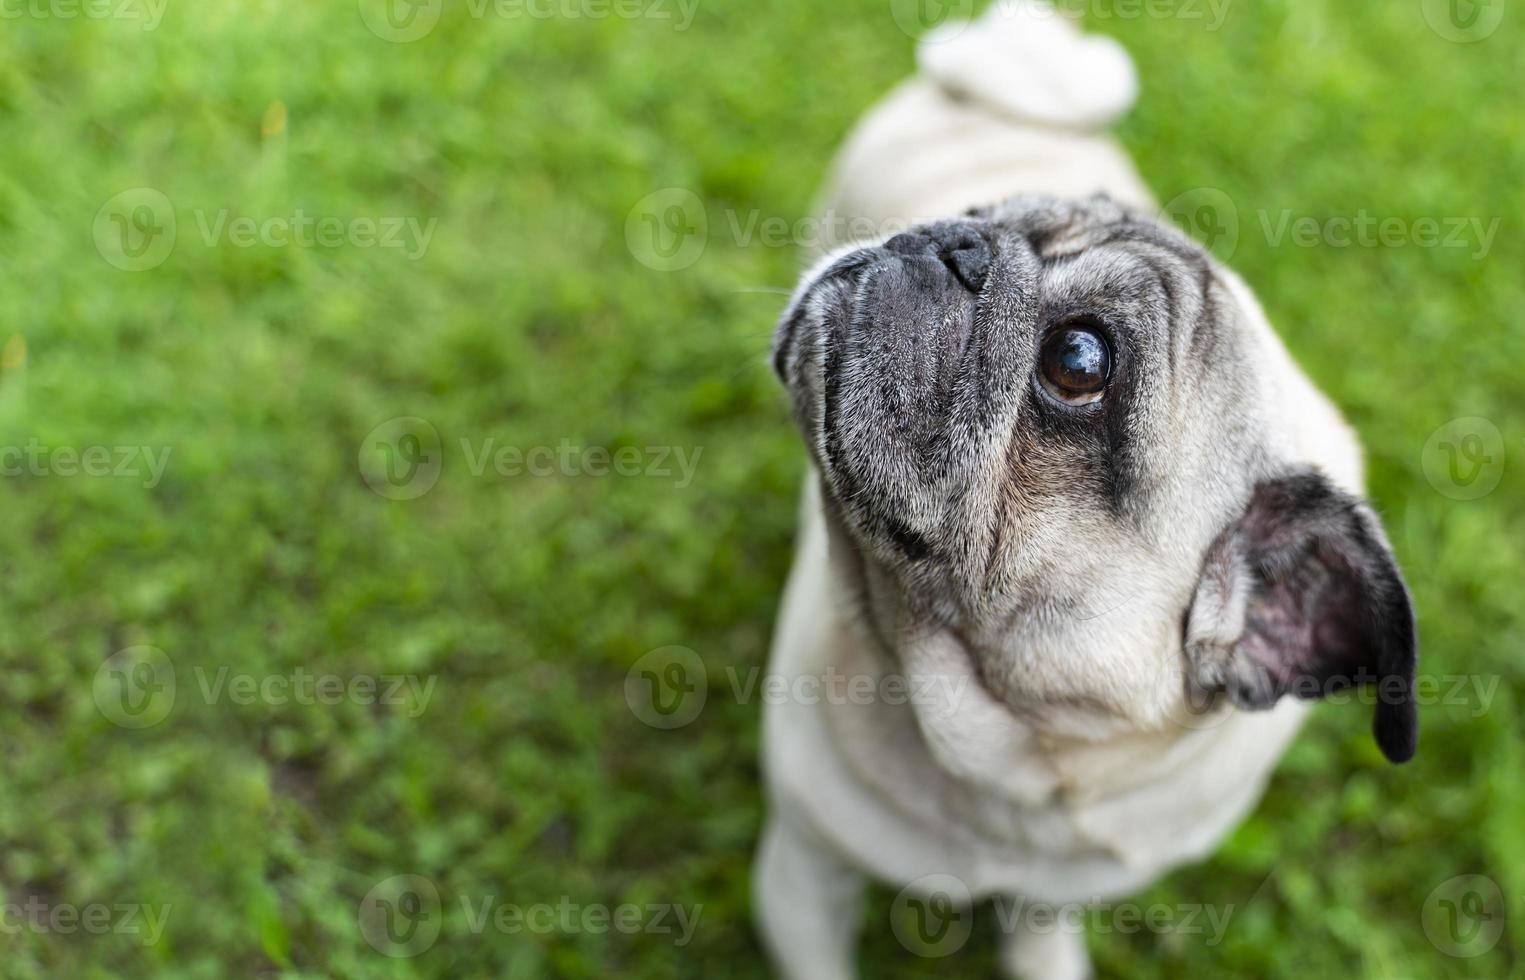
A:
(1301, 595)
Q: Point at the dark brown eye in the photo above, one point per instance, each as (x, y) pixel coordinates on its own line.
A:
(1074, 364)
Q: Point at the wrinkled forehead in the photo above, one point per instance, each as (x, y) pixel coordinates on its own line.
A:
(1097, 259)
(1056, 228)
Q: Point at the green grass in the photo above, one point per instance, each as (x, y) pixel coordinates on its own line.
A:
(527, 599)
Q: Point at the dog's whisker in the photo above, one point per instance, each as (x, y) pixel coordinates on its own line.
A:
(769, 290)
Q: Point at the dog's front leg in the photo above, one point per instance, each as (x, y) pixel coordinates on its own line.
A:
(807, 903)
(1044, 948)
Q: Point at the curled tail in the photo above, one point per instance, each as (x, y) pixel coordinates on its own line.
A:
(1026, 59)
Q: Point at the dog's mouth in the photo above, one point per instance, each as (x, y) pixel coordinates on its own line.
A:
(905, 361)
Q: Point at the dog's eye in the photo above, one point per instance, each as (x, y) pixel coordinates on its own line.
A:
(1075, 364)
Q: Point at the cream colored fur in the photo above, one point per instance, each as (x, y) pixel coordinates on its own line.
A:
(1023, 794)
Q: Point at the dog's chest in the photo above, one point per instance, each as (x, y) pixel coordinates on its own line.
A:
(1038, 797)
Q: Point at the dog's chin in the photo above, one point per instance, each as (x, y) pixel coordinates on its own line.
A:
(1057, 708)
(1058, 669)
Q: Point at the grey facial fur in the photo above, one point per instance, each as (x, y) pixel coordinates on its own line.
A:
(975, 501)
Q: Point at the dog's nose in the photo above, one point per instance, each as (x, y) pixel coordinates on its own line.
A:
(956, 244)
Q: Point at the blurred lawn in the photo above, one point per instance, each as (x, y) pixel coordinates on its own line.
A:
(529, 321)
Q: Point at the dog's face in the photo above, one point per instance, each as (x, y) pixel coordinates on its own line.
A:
(1052, 428)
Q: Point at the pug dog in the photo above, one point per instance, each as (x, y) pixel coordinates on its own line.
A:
(1080, 541)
